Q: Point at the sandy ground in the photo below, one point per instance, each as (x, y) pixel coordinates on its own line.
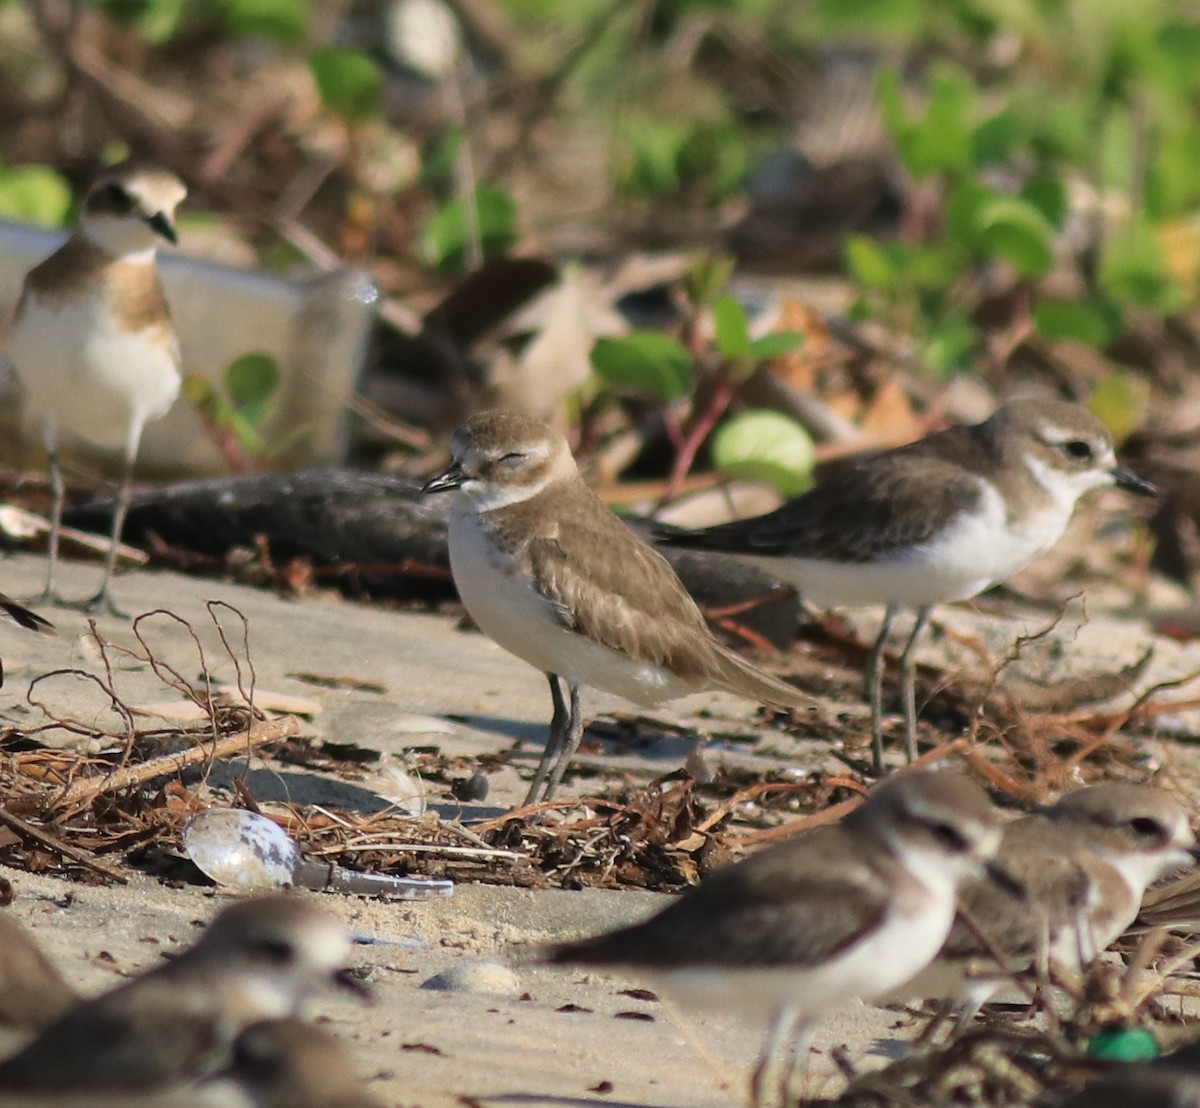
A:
(555, 1037)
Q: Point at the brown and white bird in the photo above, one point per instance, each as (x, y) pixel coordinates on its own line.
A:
(938, 520)
(33, 993)
(259, 959)
(92, 339)
(555, 578)
(845, 912)
(290, 1064)
(1083, 865)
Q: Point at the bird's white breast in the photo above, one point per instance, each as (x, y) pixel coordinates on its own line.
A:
(977, 549)
(504, 602)
(88, 375)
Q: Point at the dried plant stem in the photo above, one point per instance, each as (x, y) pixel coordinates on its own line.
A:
(83, 793)
(44, 839)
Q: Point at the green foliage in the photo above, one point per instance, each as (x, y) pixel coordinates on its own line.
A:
(235, 414)
(350, 82)
(35, 193)
(768, 446)
(644, 361)
(443, 238)
(283, 20)
(667, 156)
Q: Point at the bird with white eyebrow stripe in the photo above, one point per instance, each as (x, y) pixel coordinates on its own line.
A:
(940, 519)
(92, 340)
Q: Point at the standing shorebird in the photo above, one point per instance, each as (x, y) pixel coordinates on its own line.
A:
(555, 578)
(800, 929)
(1084, 864)
(938, 520)
(92, 340)
(259, 959)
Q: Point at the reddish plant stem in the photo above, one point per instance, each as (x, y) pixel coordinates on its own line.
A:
(722, 395)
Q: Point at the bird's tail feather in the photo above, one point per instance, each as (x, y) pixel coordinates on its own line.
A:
(27, 618)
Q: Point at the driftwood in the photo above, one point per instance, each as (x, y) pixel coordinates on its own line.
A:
(376, 535)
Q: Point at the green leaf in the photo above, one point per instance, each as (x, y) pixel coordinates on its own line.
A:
(443, 237)
(767, 446)
(993, 141)
(1119, 402)
(1095, 322)
(732, 330)
(707, 277)
(1134, 270)
(252, 382)
(775, 344)
(350, 83)
(869, 263)
(963, 208)
(1013, 229)
(644, 361)
(1049, 196)
(656, 147)
(282, 20)
(35, 193)
(949, 347)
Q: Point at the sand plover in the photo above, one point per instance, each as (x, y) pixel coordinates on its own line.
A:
(33, 993)
(1084, 864)
(259, 959)
(290, 1064)
(845, 912)
(938, 520)
(92, 340)
(555, 578)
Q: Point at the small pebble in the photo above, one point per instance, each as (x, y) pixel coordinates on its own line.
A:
(487, 978)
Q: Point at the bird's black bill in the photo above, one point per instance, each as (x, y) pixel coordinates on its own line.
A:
(1126, 479)
(450, 478)
(350, 981)
(161, 225)
(1005, 880)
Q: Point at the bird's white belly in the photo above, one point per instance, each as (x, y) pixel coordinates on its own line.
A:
(976, 551)
(508, 609)
(89, 377)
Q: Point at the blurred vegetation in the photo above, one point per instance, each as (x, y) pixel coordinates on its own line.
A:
(998, 184)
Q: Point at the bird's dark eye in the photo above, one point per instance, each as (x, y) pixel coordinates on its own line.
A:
(116, 199)
(1078, 449)
(1147, 828)
(276, 951)
(512, 461)
(949, 837)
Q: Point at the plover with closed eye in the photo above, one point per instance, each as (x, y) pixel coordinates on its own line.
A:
(546, 570)
(844, 912)
(1084, 864)
(259, 959)
(92, 340)
(938, 520)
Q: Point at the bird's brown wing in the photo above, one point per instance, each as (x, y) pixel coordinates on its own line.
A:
(793, 907)
(865, 509)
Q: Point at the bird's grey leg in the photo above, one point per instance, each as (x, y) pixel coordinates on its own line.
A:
(874, 692)
(908, 683)
(558, 727)
(800, 1034)
(57, 492)
(103, 599)
(778, 1039)
(574, 735)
